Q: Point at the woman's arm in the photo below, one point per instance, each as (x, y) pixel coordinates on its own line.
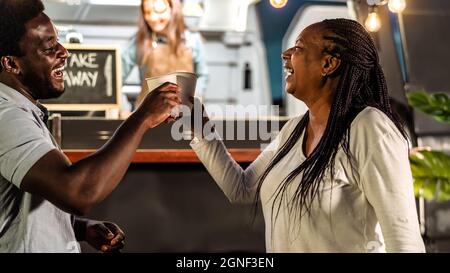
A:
(387, 183)
(128, 59)
(238, 185)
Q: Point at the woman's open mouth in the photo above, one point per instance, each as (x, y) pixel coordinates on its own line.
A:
(288, 72)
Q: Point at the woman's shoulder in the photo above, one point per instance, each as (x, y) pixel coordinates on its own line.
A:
(130, 47)
(290, 125)
(193, 35)
(371, 124)
(193, 38)
(370, 114)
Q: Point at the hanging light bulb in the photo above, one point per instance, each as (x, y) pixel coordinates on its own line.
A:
(373, 22)
(278, 3)
(397, 6)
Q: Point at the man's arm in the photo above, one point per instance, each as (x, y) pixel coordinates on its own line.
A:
(77, 187)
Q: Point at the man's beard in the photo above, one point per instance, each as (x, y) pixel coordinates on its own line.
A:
(41, 89)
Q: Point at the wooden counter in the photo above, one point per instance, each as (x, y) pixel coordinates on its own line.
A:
(171, 156)
(80, 137)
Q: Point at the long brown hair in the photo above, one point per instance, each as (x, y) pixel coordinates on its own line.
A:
(144, 37)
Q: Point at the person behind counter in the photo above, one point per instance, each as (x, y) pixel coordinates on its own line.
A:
(39, 187)
(163, 45)
(338, 173)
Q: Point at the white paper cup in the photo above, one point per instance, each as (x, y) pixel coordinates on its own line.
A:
(187, 81)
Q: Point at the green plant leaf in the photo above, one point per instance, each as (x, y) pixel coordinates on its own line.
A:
(431, 174)
(436, 105)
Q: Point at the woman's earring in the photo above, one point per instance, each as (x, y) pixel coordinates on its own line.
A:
(324, 74)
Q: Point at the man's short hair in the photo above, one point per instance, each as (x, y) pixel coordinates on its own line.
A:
(13, 16)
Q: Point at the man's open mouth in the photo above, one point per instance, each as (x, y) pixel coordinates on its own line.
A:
(58, 73)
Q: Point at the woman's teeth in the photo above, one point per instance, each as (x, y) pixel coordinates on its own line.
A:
(288, 71)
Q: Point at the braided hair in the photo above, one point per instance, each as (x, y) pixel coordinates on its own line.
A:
(361, 84)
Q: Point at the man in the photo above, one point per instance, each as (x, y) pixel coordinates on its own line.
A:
(39, 188)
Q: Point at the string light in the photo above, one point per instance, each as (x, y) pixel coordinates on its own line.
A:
(397, 6)
(278, 3)
(373, 22)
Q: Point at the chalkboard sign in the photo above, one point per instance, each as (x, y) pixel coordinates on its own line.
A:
(92, 79)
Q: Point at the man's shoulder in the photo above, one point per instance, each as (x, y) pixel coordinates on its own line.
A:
(10, 109)
(17, 120)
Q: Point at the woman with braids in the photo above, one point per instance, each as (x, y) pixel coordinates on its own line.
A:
(336, 179)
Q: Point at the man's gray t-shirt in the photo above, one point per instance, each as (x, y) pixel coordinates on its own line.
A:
(28, 223)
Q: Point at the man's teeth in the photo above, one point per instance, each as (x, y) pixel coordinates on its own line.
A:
(58, 72)
(61, 69)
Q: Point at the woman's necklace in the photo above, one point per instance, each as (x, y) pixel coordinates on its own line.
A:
(156, 39)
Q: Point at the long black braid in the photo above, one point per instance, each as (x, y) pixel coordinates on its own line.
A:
(361, 84)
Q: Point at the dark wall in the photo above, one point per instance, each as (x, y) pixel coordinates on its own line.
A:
(427, 43)
(179, 208)
(413, 49)
(427, 40)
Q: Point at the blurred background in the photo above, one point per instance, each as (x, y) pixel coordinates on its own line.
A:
(167, 201)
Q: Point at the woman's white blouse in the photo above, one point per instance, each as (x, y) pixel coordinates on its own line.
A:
(370, 208)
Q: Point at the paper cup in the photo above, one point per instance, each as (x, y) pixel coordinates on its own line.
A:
(185, 80)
